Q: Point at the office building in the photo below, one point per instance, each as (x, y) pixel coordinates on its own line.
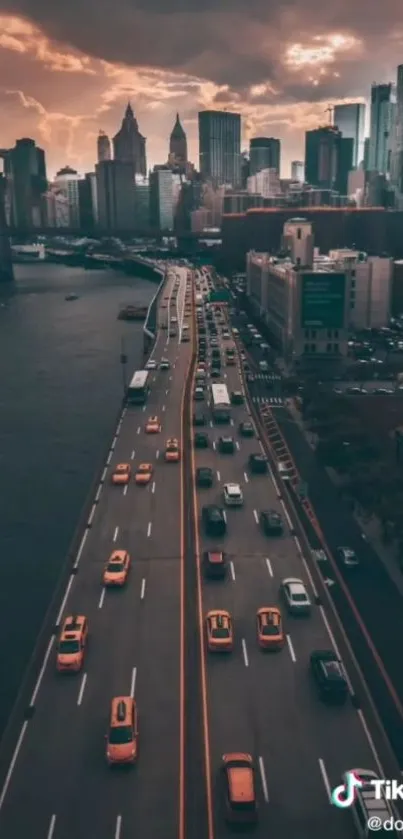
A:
(366, 154)
(25, 170)
(67, 181)
(92, 178)
(55, 208)
(115, 195)
(321, 156)
(85, 202)
(162, 199)
(298, 241)
(265, 182)
(129, 146)
(142, 194)
(103, 147)
(397, 149)
(264, 153)
(370, 280)
(220, 147)
(298, 171)
(350, 120)
(383, 107)
(178, 152)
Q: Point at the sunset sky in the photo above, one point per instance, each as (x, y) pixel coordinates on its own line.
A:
(68, 68)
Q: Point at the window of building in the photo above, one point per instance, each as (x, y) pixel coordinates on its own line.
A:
(299, 233)
(313, 333)
(313, 347)
(329, 333)
(336, 348)
(352, 304)
(336, 333)
(353, 272)
(328, 348)
(352, 283)
(306, 348)
(307, 333)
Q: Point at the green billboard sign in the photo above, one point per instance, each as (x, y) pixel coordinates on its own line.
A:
(323, 300)
(222, 295)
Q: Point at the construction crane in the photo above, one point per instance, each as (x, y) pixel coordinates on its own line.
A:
(329, 110)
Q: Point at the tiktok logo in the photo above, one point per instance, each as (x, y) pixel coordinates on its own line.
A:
(344, 795)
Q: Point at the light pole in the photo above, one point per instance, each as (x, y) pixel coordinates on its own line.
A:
(123, 362)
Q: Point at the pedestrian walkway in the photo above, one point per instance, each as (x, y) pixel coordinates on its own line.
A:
(268, 400)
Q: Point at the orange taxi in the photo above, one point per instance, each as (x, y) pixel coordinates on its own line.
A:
(219, 631)
(143, 474)
(121, 473)
(117, 568)
(122, 736)
(172, 454)
(72, 644)
(269, 626)
(153, 426)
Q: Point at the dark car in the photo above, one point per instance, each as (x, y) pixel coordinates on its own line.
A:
(216, 363)
(215, 353)
(214, 564)
(201, 440)
(215, 374)
(202, 330)
(204, 477)
(213, 519)
(199, 419)
(226, 445)
(237, 397)
(246, 429)
(258, 464)
(271, 523)
(329, 676)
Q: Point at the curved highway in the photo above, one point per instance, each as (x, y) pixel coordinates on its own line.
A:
(59, 785)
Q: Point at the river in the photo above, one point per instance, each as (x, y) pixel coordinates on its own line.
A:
(60, 385)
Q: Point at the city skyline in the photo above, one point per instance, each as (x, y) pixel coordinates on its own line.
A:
(62, 81)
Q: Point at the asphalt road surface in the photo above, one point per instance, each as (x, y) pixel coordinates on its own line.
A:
(59, 785)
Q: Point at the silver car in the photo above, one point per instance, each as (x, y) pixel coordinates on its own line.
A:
(295, 596)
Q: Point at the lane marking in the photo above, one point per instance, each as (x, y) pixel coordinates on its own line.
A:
(133, 682)
(115, 535)
(109, 458)
(218, 476)
(224, 513)
(263, 780)
(157, 454)
(246, 478)
(102, 598)
(92, 514)
(237, 446)
(125, 488)
(99, 490)
(232, 569)
(143, 588)
(144, 407)
(81, 548)
(325, 778)
(269, 567)
(118, 827)
(291, 649)
(82, 689)
(66, 594)
(12, 764)
(42, 671)
(255, 516)
(149, 529)
(132, 455)
(51, 830)
(245, 653)
(139, 429)
(166, 392)
(103, 476)
(214, 445)
(153, 488)
(286, 513)
(163, 407)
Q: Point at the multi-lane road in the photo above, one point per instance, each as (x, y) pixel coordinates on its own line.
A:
(59, 785)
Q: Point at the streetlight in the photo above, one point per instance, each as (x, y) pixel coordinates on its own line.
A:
(123, 362)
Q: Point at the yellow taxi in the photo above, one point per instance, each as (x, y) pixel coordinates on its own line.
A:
(269, 626)
(219, 631)
(72, 644)
(153, 426)
(122, 736)
(117, 568)
(143, 474)
(172, 453)
(121, 473)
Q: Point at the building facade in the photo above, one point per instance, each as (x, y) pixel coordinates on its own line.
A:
(25, 171)
(178, 151)
(298, 171)
(328, 158)
(67, 181)
(129, 146)
(265, 182)
(103, 147)
(383, 107)
(397, 149)
(162, 199)
(370, 280)
(115, 195)
(350, 120)
(264, 153)
(220, 147)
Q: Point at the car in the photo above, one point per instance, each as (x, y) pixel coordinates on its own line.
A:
(246, 429)
(199, 419)
(201, 440)
(319, 555)
(198, 394)
(153, 426)
(295, 596)
(143, 474)
(233, 495)
(201, 367)
(285, 470)
(347, 557)
(151, 364)
(71, 646)
(172, 333)
(237, 397)
(214, 564)
(122, 736)
(219, 631)
(185, 339)
(204, 477)
(172, 450)
(329, 676)
(240, 799)
(213, 518)
(174, 319)
(271, 523)
(165, 364)
(116, 570)
(121, 473)
(258, 464)
(215, 374)
(226, 445)
(269, 627)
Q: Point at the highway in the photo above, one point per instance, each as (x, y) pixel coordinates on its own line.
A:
(266, 704)
(59, 785)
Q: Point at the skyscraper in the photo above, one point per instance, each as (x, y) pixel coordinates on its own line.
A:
(178, 151)
(264, 153)
(103, 147)
(115, 195)
(383, 105)
(26, 180)
(67, 181)
(129, 146)
(297, 171)
(328, 158)
(162, 199)
(397, 150)
(220, 147)
(350, 120)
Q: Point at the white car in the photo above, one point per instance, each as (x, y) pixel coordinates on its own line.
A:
(284, 471)
(151, 365)
(296, 596)
(174, 320)
(233, 496)
(348, 557)
(165, 364)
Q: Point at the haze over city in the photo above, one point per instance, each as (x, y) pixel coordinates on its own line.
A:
(68, 70)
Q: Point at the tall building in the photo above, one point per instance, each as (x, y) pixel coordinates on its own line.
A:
(350, 120)
(25, 170)
(67, 181)
(397, 155)
(266, 182)
(87, 210)
(103, 147)
(220, 147)
(328, 158)
(129, 146)
(178, 149)
(115, 195)
(264, 153)
(383, 106)
(162, 199)
(142, 192)
(297, 171)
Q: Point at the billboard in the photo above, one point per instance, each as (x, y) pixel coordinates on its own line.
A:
(222, 295)
(323, 300)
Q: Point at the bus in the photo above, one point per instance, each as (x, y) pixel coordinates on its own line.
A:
(138, 389)
(221, 403)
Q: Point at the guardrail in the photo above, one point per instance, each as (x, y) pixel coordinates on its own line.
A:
(152, 307)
